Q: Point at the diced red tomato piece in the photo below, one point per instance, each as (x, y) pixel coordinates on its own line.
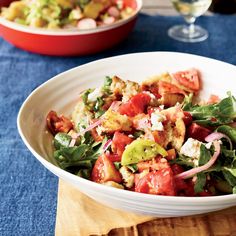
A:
(130, 3)
(136, 105)
(58, 124)
(157, 163)
(189, 79)
(152, 89)
(104, 170)
(119, 142)
(166, 87)
(187, 118)
(198, 132)
(157, 182)
(213, 99)
(114, 157)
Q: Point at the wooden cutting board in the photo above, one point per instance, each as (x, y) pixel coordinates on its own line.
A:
(79, 215)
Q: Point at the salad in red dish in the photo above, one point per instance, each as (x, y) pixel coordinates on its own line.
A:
(156, 137)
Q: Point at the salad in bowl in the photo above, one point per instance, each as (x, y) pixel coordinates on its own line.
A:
(155, 137)
(68, 14)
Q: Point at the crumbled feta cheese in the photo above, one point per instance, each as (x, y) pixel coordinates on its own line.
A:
(191, 148)
(127, 176)
(156, 120)
(208, 145)
(92, 97)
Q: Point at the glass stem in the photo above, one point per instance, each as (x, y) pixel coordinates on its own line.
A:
(191, 27)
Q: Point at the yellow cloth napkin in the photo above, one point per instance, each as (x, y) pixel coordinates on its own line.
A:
(77, 214)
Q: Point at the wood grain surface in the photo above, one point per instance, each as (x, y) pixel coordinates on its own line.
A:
(79, 215)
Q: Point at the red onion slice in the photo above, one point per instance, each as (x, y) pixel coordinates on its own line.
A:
(107, 145)
(217, 136)
(115, 105)
(194, 171)
(76, 135)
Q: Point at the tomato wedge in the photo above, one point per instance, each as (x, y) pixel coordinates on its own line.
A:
(137, 104)
(57, 123)
(198, 132)
(130, 3)
(188, 79)
(156, 182)
(119, 142)
(104, 170)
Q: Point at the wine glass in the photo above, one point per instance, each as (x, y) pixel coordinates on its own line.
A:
(190, 10)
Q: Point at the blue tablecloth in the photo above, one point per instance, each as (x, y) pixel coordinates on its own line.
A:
(28, 192)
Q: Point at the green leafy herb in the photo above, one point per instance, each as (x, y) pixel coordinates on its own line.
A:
(133, 167)
(187, 103)
(107, 85)
(205, 155)
(221, 113)
(61, 140)
(200, 182)
(234, 190)
(229, 131)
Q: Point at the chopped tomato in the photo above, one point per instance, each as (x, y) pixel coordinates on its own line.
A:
(188, 79)
(136, 105)
(198, 132)
(213, 99)
(58, 124)
(187, 118)
(104, 170)
(114, 157)
(157, 163)
(183, 187)
(152, 89)
(130, 3)
(156, 182)
(165, 87)
(119, 142)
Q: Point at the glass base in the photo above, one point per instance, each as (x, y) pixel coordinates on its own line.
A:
(185, 34)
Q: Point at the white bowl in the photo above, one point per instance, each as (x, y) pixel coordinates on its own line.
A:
(61, 93)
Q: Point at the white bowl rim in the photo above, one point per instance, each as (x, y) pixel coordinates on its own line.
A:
(64, 32)
(107, 189)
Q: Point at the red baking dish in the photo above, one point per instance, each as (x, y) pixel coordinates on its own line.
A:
(63, 42)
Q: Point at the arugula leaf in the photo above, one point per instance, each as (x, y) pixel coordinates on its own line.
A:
(133, 167)
(200, 183)
(221, 113)
(228, 130)
(84, 173)
(107, 85)
(205, 155)
(183, 160)
(61, 140)
(230, 175)
(85, 95)
(187, 103)
(234, 190)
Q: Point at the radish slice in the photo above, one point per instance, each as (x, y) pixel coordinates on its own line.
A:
(113, 11)
(107, 145)
(216, 136)
(87, 23)
(194, 171)
(109, 20)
